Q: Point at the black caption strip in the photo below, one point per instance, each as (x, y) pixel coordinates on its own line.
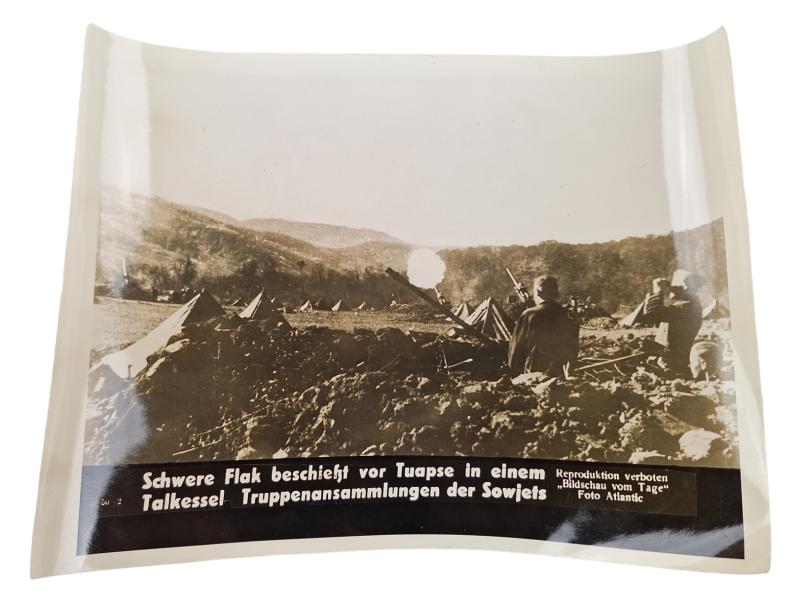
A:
(668, 509)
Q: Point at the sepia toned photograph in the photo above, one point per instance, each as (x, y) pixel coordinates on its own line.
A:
(370, 301)
(358, 255)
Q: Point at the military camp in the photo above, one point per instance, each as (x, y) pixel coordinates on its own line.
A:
(618, 352)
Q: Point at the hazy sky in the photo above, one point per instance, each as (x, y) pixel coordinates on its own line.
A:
(440, 151)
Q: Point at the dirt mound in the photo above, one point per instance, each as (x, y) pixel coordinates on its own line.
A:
(196, 397)
(229, 389)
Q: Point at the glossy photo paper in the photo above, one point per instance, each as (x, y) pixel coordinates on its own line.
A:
(329, 302)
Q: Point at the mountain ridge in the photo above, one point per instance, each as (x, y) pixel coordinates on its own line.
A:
(165, 245)
(323, 235)
(329, 236)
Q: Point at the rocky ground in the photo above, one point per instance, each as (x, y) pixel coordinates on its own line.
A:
(229, 389)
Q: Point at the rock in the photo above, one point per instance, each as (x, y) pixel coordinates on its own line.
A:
(502, 384)
(309, 394)
(644, 379)
(530, 378)
(176, 346)
(501, 419)
(694, 409)
(478, 392)
(679, 386)
(646, 457)
(697, 444)
(588, 401)
(546, 388)
(520, 402)
(247, 453)
(428, 438)
(644, 431)
(265, 437)
(392, 430)
(448, 411)
(425, 385)
(415, 411)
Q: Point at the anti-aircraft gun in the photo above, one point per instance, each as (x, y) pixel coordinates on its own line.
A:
(444, 309)
(521, 289)
(441, 298)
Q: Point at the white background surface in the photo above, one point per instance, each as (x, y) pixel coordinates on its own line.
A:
(41, 46)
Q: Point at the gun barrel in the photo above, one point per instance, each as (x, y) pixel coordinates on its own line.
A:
(522, 292)
(425, 297)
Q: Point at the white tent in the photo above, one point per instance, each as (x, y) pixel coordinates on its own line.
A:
(634, 317)
(490, 318)
(464, 310)
(261, 308)
(337, 306)
(362, 307)
(307, 306)
(130, 361)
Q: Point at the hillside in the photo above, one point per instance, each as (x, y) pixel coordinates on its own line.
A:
(375, 255)
(322, 235)
(615, 273)
(166, 245)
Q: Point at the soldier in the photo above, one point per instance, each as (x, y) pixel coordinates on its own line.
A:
(545, 338)
(682, 314)
(704, 360)
(654, 301)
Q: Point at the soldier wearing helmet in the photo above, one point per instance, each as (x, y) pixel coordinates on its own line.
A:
(680, 316)
(545, 338)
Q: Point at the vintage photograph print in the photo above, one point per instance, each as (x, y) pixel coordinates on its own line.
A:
(385, 295)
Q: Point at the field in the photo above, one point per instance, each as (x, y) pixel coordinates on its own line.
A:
(119, 322)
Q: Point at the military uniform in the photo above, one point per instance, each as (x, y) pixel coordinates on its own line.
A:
(683, 317)
(544, 340)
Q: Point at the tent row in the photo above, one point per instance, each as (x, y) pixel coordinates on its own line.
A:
(319, 305)
(340, 305)
(489, 318)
